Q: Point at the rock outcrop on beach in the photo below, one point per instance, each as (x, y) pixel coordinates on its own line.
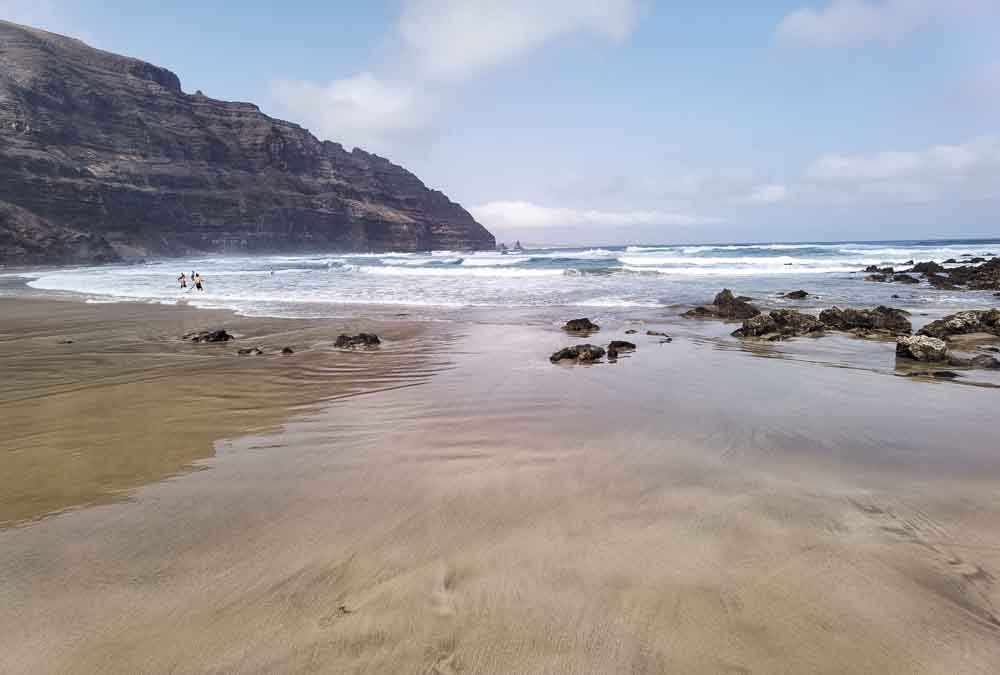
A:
(724, 306)
(880, 319)
(964, 323)
(779, 324)
(977, 274)
(219, 335)
(922, 348)
(100, 149)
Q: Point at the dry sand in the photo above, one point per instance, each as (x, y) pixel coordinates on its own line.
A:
(690, 509)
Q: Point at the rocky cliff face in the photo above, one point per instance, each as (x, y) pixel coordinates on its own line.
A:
(26, 239)
(111, 147)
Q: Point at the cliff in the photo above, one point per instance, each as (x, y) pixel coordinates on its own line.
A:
(96, 144)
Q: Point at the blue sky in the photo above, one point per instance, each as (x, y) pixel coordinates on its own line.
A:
(619, 121)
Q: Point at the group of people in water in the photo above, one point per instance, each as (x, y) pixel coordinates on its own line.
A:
(196, 279)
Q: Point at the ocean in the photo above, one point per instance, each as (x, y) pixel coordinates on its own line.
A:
(544, 282)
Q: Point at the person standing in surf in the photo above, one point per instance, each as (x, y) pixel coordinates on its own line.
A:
(183, 280)
(197, 281)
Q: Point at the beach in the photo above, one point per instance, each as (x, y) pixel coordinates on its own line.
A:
(453, 502)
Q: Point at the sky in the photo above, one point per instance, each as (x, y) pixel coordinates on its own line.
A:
(618, 121)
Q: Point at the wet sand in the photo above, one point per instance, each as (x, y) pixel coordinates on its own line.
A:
(472, 508)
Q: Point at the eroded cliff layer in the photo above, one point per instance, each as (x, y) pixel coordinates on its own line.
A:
(111, 147)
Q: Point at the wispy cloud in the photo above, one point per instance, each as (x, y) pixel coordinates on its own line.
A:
(763, 195)
(844, 22)
(461, 38)
(366, 111)
(442, 43)
(956, 173)
(939, 162)
(522, 215)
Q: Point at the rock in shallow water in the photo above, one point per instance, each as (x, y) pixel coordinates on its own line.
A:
(210, 336)
(361, 340)
(621, 345)
(250, 351)
(584, 325)
(922, 348)
(586, 353)
(724, 306)
(927, 268)
(797, 295)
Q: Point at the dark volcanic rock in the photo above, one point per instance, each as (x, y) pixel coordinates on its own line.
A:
(778, 325)
(875, 269)
(797, 295)
(926, 268)
(287, 350)
(250, 351)
(581, 353)
(879, 319)
(631, 331)
(725, 306)
(581, 326)
(984, 361)
(973, 276)
(984, 277)
(905, 279)
(362, 340)
(620, 345)
(962, 323)
(111, 147)
(26, 239)
(210, 336)
(876, 277)
(941, 282)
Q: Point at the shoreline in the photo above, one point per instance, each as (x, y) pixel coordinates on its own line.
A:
(455, 501)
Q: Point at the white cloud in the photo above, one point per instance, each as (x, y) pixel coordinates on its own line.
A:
(363, 109)
(459, 38)
(442, 42)
(522, 214)
(940, 162)
(943, 173)
(764, 195)
(843, 22)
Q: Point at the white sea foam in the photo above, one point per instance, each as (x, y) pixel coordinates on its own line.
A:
(459, 272)
(625, 279)
(738, 271)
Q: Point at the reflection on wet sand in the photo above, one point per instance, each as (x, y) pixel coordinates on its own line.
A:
(98, 400)
(688, 509)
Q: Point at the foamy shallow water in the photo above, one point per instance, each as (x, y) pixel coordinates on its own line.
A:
(608, 279)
